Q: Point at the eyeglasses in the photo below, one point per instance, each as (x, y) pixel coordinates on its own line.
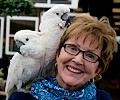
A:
(87, 55)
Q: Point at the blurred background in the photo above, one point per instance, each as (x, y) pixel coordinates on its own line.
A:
(25, 14)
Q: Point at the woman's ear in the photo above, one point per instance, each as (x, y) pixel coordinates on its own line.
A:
(98, 70)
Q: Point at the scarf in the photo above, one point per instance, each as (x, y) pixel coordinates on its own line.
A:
(48, 89)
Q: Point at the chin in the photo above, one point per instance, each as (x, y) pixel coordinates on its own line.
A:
(70, 82)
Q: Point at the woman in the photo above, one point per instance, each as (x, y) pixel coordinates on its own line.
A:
(85, 50)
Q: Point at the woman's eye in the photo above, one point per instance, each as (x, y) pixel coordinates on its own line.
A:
(90, 55)
(73, 48)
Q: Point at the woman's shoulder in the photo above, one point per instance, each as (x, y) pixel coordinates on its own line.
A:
(21, 96)
(103, 95)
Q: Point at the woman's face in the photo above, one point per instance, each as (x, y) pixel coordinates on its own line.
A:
(74, 71)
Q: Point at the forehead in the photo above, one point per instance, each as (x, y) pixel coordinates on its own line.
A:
(88, 40)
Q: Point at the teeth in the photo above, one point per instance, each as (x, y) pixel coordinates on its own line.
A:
(73, 70)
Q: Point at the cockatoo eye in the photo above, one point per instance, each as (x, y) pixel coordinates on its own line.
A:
(27, 39)
(57, 13)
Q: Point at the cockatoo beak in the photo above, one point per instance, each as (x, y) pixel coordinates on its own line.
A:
(40, 33)
(66, 17)
(18, 45)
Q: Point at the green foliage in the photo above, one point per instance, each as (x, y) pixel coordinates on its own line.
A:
(16, 7)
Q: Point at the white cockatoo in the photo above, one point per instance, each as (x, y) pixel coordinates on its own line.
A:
(36, 49)
(54, 21)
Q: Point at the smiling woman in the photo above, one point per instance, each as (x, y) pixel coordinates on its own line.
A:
(84, 52)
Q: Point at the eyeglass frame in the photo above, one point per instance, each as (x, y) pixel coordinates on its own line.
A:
(83, 52)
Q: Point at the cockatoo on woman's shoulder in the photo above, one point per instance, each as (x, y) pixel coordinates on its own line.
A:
(54, 21)
(36, 49)
(25, 64)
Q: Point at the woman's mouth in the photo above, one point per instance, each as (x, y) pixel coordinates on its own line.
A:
(74, 70)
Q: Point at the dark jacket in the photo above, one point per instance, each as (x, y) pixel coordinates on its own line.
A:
(101, 95)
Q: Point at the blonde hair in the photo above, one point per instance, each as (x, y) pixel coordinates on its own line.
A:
(104, 34)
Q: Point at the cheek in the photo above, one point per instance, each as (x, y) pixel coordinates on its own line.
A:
(91, 69)
(63, 57)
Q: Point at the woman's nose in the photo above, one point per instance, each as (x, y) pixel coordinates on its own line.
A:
(78, 58)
